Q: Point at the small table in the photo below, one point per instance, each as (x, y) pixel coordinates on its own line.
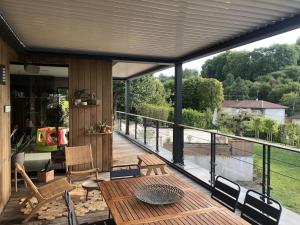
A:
(151, 162)
(90, 185)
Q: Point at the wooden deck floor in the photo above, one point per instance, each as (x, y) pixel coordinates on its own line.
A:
(124, 152)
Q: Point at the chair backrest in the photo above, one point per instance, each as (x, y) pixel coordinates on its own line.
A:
(124, 171)
(27, 179)
(226, 192)
(72, 219)
(78, 155)
(259, 209)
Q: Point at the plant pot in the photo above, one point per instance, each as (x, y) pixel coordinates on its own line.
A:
(77, 101)
(92, 101)
(18, 158)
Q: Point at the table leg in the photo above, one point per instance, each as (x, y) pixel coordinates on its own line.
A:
(155, 171)
(87, 194)
(163, 171)
(140, 162)
(148, 171)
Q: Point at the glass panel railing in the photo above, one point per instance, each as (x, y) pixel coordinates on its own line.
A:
(285, 178)
(197, 153)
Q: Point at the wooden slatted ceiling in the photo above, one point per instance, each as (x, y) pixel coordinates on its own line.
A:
(168, 28)
(6, 54)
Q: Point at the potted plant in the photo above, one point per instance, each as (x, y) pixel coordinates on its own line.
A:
(19, 148)
(78, 95)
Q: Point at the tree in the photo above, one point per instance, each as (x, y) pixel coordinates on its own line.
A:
(213, 68)
(169, 86)
(163, 78)
(238, 64)
(257, 125)
(250, 65)
(291, 100)
(259, 90)
(118, 95)
(239, 89)
(146, 90)
(189, 73)
(273, 58)
(271, 127)
(202, 93)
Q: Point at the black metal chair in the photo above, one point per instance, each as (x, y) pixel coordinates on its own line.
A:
(72, 219)
(124, 171)
(259, 209)
(226, 192)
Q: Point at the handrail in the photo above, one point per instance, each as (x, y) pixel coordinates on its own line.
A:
(145, 117)
(262, 142)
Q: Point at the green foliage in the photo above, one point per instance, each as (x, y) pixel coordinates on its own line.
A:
(195, 118)
(239, 89)
(257, 125)
(250, 65)
(118, 95)
(290, 134)
(22, 144)
(270, 127)
(147, 89)
(292, 100)
(169, 89)
(154, 111)
(190, 73)
(202, 93)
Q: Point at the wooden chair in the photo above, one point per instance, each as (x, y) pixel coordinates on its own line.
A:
(122, 172)
(80, 157)
(259, 209)
(43, 194)
(125, 171)
(72, 218)
(226, 192)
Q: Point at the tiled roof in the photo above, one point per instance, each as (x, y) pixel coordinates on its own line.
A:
(251, 104)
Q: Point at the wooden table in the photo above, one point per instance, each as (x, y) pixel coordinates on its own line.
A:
(194, 208)
(151, 163)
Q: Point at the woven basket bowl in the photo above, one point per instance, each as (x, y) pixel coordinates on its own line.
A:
(159, 194)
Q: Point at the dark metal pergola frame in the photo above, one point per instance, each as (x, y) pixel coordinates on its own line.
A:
(269, 30)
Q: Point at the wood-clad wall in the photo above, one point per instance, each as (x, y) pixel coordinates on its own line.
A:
(6, 54)
(95, 75)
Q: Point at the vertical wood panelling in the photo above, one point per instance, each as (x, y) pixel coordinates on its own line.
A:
(6, 54)
(95, 76)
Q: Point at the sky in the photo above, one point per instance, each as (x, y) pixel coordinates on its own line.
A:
(284, 38)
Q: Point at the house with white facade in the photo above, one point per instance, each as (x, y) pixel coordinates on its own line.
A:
(259, 107)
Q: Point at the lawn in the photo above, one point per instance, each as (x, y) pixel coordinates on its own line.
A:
(285, 176)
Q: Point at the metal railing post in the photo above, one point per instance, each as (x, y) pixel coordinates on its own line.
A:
(213, 158)
(135, 127)
(263, 181)
(157, 135)
(269, 171)
(145, 130)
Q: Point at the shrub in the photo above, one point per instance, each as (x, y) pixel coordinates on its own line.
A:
(194, 118)
(154, 111)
